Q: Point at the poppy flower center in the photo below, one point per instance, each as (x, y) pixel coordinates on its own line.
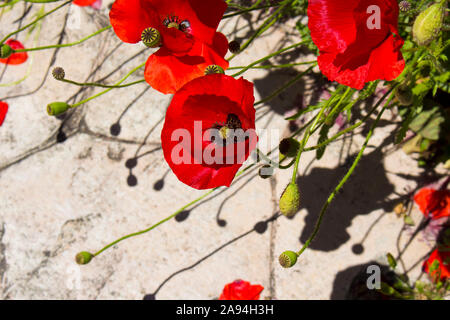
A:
(175, 22)
(228, 129)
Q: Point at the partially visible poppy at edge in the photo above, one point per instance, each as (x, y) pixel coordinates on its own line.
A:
(15, 58)
(3, 111)
(241, 290)
(434, 204)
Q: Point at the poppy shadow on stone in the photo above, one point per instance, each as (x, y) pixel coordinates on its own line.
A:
(366, 190)
(351, 283)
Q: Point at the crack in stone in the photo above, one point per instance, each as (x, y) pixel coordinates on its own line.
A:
(273, 233)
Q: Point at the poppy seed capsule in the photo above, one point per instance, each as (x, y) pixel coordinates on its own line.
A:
(57, 108)
(289, 147)
(290, 200)
(287, 259)
(404, 6)
(84, 257)
(5, 51)
(214, 68)
(428, 24)
(58, 73)
(151, 37)
(234, 46)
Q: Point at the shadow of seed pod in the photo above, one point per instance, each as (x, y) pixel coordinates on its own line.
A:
(183, 215)
(358, 248)
(159, 185)
(149, 297)
(132, 180)
(131, 163)
(221, 223)
(115, 129)
(61, 137)
(260, 227)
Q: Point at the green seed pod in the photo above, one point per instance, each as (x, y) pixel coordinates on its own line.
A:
(404, 6)
(56, 108)
(428, 24)
(404, 95)
(290, 200)
(84, 257)
(287, 259)
(5, 51)
(58, 73)
(151, 37)
(289, 147)
(214, 68)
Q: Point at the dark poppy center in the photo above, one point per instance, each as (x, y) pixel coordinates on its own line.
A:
(229, 131)
(173, 21)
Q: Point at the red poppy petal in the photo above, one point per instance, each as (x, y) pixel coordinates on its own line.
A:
(3, 111)
(167, 73)
(18, 57)
(83, 3)
(241, 290)
(130, 17)
(176, 41)
(220, 44)
(198, 103)
(350, 52)
(203, 16)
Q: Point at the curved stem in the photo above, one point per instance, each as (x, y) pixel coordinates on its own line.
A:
(93, 84)
(66, 44)
(107, 90)
(342, 182)
(34, 21)
(266, 25)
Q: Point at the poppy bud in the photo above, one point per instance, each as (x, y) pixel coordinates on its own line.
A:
(212, 69)
(58, 73)
(289, 147)
(404, 95)
(84, 257)
(234, 46)
(428, 24)
(287, 259)
(290, 200)
(151, 37)
(56, 108)
(5, 51)
(404, 6)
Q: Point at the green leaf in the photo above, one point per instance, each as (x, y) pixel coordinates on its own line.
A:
(391, 260)
(323, 136)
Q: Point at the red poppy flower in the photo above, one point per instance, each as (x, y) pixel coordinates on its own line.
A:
(444, 264)
(3, 111)
(189, 41)
(84, 3)
(241, 290)
(358, 40)
(17, 57)
(433, 203)
(209, 130)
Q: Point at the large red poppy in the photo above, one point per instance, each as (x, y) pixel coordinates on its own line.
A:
(17, 57)
(443, 257)
(3, 111)
(434, 204)
(241, 290)
(189, 41)
(351, 53)
(209, 130)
